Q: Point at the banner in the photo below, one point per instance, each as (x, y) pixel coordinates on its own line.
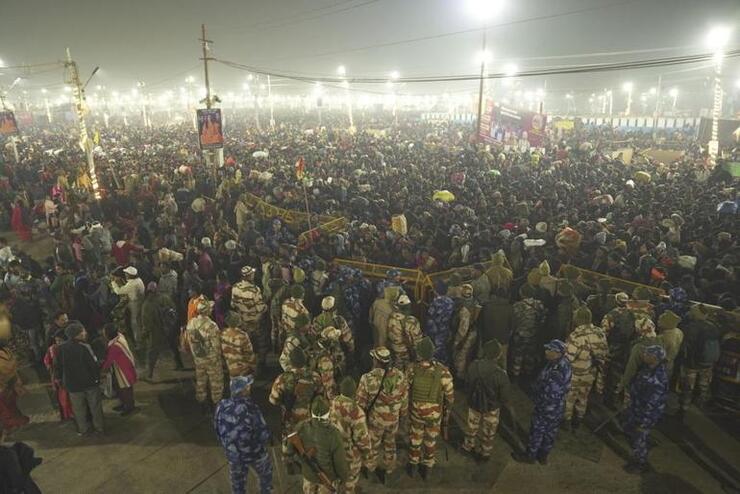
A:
(8, 125)
(210, 132)
(513, 127)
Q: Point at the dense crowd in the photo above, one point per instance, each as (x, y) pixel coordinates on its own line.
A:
(174, 257)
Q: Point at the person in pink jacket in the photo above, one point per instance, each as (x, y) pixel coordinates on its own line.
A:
(120, 361)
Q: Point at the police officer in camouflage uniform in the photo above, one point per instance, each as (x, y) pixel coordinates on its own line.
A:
(329, 317)
(528, 318)
(294, 391)
(205, 343)
(383, 394)
(648, 395)
(236, 347)
(301, 336)
(488, 389)
(326, 357)
(619, 327)
(291, 309)
(404, 332)
(243, 433)
(247, 303)
(438, 322)
(551, 388)
(431, 396)
(466, 334)
(587, 351)
(347, 416)
(324, 442)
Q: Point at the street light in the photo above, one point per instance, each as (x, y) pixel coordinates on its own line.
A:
(342, 71)
(717, 39)
(628, 87)
(673, 93)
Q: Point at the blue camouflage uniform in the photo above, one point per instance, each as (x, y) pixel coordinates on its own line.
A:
(437, 327)
(243, 434)
(648, 394)
(551, 388)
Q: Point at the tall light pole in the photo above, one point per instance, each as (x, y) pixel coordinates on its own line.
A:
(628, 87)
(44, 91)
(189, 81)
(73, 77)
(269, 97)
(673, 93)
(716, 41)
(342, 72)
(483, 10)
(392, 77)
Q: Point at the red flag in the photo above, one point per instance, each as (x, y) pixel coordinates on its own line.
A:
(300, 165)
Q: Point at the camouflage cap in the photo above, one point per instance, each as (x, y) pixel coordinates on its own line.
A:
(204, 307)
(320, 408)
(248, 271)
(381, 354)
(645, 326)
(328, 303)
(621, 298)
(466, 291)
(330, 333)
(555, 346)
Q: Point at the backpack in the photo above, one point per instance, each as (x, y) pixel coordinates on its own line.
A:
(624, 328)
(709, 348)
(480, 398)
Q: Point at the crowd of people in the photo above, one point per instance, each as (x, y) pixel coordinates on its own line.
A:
(173, 258)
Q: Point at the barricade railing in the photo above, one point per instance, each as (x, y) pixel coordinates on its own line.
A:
(592, 277)
(335, 225)
(294, 218)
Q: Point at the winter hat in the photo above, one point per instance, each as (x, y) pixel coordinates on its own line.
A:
(248, 271)
(240, 383)
(298, 358)
(233, 320)
(73, 329)
(492, 350)
(330, 333)
(297, 291)
(544, 268)
(131, 271)
(581, 316)
(320, 408)
(230, 245)
(381, 354)
(299, 275)
(668, 320)
(555, 346)
(403, 301)
(425, 348)
(205, 242)
(328, 303)
(348, 387)
(466, 291)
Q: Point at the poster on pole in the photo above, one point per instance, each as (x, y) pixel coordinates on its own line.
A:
(8, 125)
(512, 126)
(210, 130)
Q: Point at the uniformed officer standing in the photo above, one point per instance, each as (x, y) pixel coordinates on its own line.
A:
(323, 443)
(404, 332)
(205, 344)
(299, 337)
(466, 333)
(294, 391)
(248, 304)
(243, 433)
(383, 395)
(432, 394)
(587, 351)
(347, 416)
(329, 317)
(291, 309)
(551, 388)
(488, 389)
(237, 349)
(648, 394)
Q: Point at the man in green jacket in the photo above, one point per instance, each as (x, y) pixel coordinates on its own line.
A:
(323, 450)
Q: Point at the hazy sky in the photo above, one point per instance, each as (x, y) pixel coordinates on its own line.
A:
(156, 40)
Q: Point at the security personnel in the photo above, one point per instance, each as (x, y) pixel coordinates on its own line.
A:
(648, 394)
(404, 333)
(324, 443)
(349, 418)
(431, 395)
(551, 388)
(243, 433)
(248, 304)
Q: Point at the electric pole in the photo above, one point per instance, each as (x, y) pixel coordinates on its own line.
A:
(215, 156)
(78, 91)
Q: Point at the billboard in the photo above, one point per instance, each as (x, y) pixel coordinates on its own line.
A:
(8, 125)
(210, 131)
(511, 126)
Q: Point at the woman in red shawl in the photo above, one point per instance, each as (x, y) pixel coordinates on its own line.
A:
(17, 222)
(120, 361)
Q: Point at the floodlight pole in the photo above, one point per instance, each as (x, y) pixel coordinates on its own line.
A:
(482, 75)
(209, 103)
(73, 78)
